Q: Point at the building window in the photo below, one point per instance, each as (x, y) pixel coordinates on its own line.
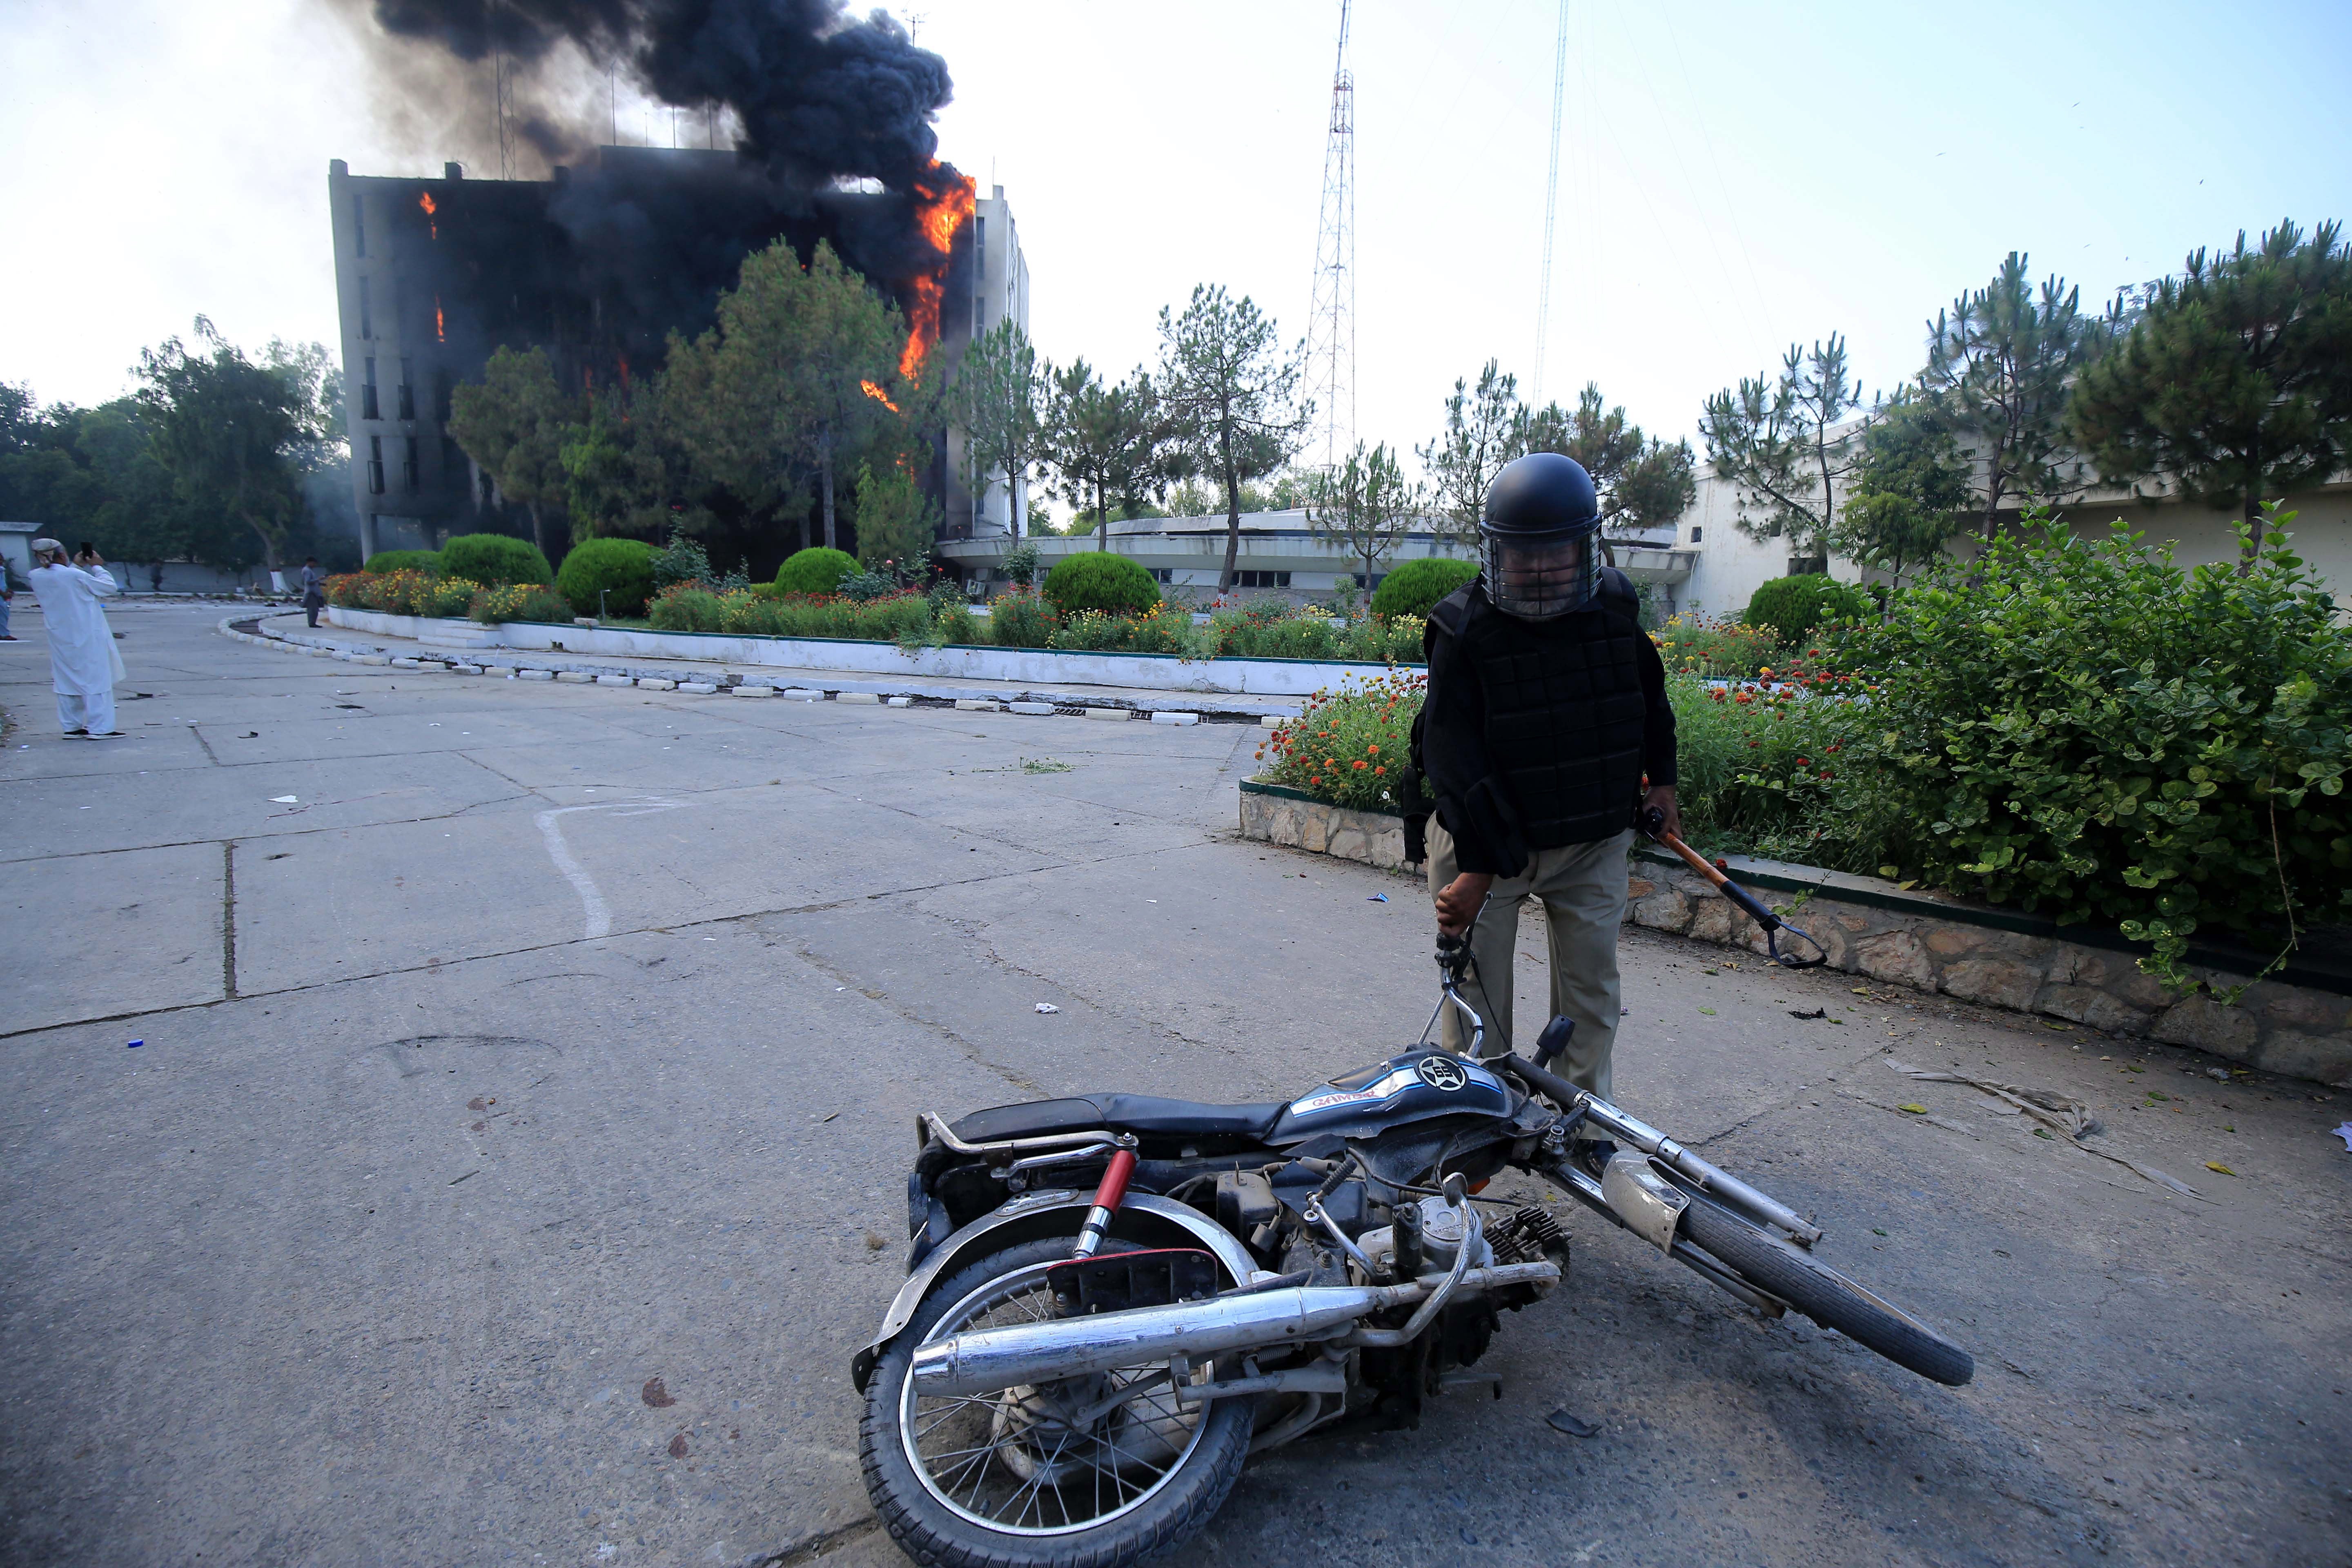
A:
(359, 227)
(408, 466)
(407, 392)
(367, 312)
(375, 464)
(1163, 574)
(1260, 580)
(978, 315)
(980, 250)
(1696, 532)
(367, 393)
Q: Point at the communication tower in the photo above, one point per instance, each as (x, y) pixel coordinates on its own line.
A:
(1331, 321)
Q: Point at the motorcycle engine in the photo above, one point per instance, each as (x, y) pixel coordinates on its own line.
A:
(1441, 1240)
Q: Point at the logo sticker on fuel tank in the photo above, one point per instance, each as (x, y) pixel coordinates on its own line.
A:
(1444, 1072)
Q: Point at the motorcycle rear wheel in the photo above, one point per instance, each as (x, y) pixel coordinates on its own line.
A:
(1825, 1296)
(1009, 1511)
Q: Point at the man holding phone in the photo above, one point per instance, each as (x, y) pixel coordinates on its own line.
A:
(84, 664)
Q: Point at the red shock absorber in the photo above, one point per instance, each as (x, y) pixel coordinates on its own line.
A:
(1108, 1197)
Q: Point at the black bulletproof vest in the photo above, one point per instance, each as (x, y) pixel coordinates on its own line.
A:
(1565, 713)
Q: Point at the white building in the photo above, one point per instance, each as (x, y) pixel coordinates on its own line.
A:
(1000, 293)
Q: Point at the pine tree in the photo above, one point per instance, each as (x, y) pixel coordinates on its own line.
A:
(2235, 378)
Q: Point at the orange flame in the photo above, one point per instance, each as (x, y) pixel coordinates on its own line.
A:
(440, 324)
(425, 201)
(943, 201)
(879, 395)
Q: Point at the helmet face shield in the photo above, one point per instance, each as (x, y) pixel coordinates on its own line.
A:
(1540, 577)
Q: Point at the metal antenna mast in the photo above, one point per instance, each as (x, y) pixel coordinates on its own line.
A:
(1331, 321)
(1551, 198)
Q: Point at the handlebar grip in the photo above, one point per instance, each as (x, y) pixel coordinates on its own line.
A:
(1558, 1090)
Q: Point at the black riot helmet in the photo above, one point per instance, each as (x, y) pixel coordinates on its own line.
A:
(1534, 538)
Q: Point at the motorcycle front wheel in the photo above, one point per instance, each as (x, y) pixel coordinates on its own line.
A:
(1825, 1295)
(1081, 1474)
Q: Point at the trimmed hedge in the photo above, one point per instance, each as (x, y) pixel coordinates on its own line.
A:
(494, 558)
(384, 561)
(1793, 607)
(1415, 586)
(1098, 580)
(623, 568)
(816, 569)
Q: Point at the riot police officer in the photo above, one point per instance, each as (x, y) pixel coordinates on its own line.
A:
(1546, 728)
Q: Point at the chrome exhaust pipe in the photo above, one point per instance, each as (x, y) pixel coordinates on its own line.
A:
(987, 1360)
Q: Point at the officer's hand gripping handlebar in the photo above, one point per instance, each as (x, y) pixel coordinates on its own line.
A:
(1652, 822)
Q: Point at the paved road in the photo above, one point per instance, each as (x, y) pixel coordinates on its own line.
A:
(551, 1041)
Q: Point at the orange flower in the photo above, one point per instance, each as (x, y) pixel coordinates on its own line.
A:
(1361, 764)
(1376, 772)
(1375, 751)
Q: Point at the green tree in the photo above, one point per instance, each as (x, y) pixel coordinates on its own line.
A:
(1104, 442)
(796, 380)
(1484, 429)
(2235, 377)
(1001, 396)
(895, 521)
(1906, 495)
(233, 433)
(1787, 443)
(2000, 363)
(1366, 505)
(1640, 480)
(1230, 396)
(515, 424)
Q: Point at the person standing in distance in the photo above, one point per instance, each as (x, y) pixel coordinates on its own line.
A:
(1544, 731)
(314, 590)
(84, 664)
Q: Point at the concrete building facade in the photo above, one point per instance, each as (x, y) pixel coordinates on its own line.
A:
(999, 294)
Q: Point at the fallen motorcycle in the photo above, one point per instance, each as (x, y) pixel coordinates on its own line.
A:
(1114, 1300)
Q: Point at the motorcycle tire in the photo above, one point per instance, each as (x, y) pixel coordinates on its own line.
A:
(1820, 1295)
(938, 1534)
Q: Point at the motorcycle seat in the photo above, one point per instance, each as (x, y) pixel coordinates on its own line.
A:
(1145, 1115)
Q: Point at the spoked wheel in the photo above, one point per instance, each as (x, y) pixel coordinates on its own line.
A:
(1088, 1472)
(1825, 1295)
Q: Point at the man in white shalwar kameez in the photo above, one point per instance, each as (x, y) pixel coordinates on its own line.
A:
(84, 664)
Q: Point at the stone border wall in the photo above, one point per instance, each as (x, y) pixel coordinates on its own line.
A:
(1923, 942)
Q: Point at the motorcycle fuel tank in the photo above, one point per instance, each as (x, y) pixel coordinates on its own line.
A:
(1419, 1085)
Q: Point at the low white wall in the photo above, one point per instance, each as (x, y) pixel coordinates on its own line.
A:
(1031, 666)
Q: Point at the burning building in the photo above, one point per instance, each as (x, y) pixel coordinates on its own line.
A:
(598, 263)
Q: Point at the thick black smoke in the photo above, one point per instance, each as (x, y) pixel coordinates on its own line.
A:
(816, 95)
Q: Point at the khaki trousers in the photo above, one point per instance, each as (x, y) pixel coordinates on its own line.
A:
(1582, 889)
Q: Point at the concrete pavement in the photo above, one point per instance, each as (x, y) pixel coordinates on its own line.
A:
(515, 1155)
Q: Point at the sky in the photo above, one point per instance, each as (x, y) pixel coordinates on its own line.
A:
(1732, 178)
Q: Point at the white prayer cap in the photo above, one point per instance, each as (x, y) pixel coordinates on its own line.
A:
(43, 546)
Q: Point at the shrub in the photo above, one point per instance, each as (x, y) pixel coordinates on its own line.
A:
(1707, 646)
(396, 593)
(622, 568)
(1793, 607)
(1348, 746)
(685, 607)
(494, 558)
(1098, 580)
(1021, 620)
(384, 561)
(1416, 585)
(2084, 726)
(864, 586)
(814, 571)
(344, 590)
(684, 560)
(519, 601)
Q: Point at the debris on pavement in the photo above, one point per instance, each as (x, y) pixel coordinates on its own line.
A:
(134, 1045)
(2068, 1115)
(2345, 1132)
(1561, 1421)
(1047, 1007)
(2216, 1165)
(285, 800)
(1816, 1013)
(1377, 899)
